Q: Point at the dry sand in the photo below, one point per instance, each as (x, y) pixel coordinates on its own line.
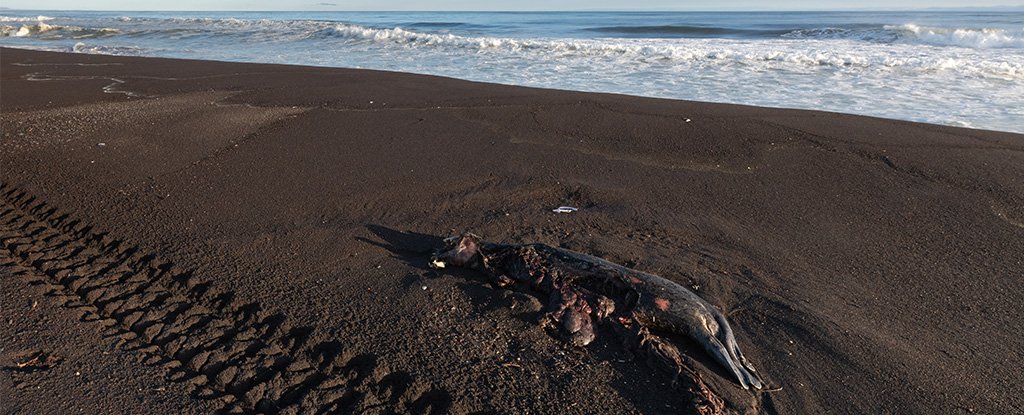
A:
(190, 237)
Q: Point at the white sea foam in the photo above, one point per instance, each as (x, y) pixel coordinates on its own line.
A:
(798, 55)
(24, 19)
(82, 47)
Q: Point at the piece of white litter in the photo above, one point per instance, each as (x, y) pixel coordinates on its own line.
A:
(687, 120)
(565, 209)
(424, 288)
(102, 144)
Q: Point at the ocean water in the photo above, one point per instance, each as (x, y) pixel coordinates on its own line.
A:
(953, 68)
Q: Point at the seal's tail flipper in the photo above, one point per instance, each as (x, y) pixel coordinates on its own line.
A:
(722, 344)
(747, 368)
(722, 355)
(751, 377)
(744, 370)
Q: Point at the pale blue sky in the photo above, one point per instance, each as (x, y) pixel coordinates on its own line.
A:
(495, 5)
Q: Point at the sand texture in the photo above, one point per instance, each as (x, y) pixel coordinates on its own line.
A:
(194, 237)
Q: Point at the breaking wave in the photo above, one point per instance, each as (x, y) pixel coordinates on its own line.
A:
(967, 38)
(54, 32)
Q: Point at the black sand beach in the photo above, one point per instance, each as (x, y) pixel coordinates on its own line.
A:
(195, 237)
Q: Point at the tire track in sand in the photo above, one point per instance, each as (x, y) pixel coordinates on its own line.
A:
(249, 358)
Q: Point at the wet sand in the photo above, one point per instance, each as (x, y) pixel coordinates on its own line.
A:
(189, 236)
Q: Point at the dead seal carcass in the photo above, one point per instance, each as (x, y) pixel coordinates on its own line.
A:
(584, 289)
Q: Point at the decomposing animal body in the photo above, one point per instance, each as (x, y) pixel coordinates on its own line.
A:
(584, 290)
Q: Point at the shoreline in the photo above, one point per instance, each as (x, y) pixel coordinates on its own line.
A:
(866, 264)
(528, 87)
(1001, 122)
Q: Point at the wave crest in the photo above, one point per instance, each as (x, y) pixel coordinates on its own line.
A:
(968, 38)
(54, 32)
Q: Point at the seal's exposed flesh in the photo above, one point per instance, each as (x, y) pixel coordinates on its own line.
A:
(584, 290)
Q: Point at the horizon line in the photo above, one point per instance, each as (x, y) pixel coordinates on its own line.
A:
(328, 8)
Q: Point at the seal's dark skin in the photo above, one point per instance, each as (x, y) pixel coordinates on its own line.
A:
(584, 289)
